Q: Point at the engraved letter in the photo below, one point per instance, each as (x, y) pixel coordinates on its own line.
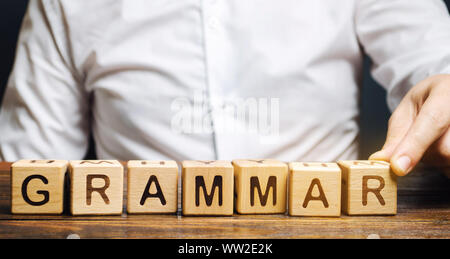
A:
(159, 194)
(25, 194)
(271, 183)
(376, 191)
(200, 182)
(101, 190)
(321, 196)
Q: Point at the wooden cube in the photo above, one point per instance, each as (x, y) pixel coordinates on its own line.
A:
(96, 187)
(37, 186)
(152, 187)
(314, 189)
(207, 188)
(260, 186)
(368, 188)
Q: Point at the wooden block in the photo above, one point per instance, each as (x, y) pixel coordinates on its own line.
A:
(368, 188)
(314, 189)
(152, 187)
(96, 187)
(260, 186)
(37, 186)
(207, 188)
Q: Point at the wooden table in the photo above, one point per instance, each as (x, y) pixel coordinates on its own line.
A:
(423, 212)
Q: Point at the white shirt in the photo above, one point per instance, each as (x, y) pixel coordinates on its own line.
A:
(218, 79)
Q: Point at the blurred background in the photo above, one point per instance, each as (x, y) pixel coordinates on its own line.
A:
(374, 111)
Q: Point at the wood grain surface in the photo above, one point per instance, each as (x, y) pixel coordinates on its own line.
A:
(423, 212)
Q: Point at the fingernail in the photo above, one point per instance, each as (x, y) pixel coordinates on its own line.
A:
(403, 163)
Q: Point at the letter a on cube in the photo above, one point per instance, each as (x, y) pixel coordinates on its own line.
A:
(152, 187)
(314, 189)
(207, 188)
(368, 188)
(260, 186)
(96, 187)
(37, 186)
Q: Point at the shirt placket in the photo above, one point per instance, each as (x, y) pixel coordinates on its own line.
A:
(214, 59)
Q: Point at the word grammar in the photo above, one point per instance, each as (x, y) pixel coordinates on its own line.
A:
(215, 188)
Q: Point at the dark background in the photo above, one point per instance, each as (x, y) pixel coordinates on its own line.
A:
(374, 111)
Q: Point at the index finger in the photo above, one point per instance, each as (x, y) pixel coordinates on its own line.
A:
(431, 123)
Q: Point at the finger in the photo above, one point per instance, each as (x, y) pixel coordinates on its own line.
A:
(402, 119)
(431, 123)
(439, 153)
(399, 124)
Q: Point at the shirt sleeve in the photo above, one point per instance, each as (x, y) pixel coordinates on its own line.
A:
(407, 40)
(45, 111)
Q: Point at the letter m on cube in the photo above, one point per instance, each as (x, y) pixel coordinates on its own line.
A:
(207, 188)
(260, 186)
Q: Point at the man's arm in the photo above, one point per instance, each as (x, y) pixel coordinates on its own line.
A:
(409, 43)
(45, 112)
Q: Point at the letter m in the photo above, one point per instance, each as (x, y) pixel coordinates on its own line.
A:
(200, 183)
(254, 184)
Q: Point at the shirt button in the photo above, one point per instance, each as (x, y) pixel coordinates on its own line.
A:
(213, 23)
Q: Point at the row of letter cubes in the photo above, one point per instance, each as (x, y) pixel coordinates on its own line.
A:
(208, 187)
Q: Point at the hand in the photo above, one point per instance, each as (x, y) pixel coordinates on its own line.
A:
(419, 128)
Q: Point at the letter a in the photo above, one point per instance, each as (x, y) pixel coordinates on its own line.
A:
(159, 194)
(321, 196)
